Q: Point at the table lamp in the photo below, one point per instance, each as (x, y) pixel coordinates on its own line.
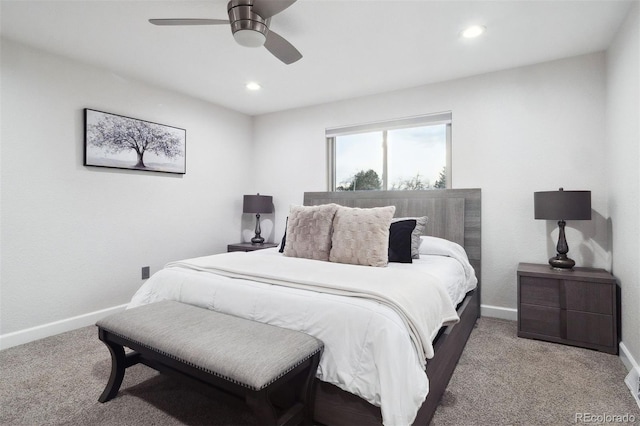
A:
(562, 205)
(257, 204)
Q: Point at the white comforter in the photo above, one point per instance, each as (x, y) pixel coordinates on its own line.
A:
(370, 349)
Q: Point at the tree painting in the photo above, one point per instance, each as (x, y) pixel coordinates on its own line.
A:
(122, 142)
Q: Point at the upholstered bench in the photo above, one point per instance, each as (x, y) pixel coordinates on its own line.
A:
(247, 358)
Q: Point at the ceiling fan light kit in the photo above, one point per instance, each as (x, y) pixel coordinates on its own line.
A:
(249, 38)
(249, 20)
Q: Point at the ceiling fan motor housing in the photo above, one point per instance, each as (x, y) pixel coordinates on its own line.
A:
(248, 28)
(249, 21)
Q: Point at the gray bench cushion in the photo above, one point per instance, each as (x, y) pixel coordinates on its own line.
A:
(245, 352)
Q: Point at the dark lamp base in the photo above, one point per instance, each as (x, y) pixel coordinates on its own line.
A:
(257, 240)
(561, 262)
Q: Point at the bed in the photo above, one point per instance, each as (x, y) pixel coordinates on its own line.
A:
(455, 215)
(373, 369)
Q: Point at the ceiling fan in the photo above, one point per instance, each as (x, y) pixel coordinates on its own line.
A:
(249, 21)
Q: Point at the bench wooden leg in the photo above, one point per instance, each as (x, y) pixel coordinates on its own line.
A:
(261, 405)
(118, 367)
(308, 396)
(302, 410)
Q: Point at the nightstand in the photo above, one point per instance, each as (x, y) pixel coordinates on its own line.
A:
(576, 307)
(249, 246)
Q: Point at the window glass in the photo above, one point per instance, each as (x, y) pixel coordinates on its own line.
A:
(417, 157)
(403, 154)
(359, 162)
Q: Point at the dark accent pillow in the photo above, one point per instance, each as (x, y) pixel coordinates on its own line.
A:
(284, 237)
(400, 241)
(421, 226)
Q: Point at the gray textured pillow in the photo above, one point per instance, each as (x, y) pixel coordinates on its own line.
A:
(361, 236)
(421, 226)
(309, 231)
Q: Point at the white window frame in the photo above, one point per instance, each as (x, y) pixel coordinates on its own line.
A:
(384, 126)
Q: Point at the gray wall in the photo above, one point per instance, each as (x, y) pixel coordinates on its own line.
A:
(623, 178)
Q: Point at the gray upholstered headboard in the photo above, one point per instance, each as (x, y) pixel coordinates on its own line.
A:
(454, 214)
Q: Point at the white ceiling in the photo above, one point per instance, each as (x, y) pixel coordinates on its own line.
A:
(350, 47)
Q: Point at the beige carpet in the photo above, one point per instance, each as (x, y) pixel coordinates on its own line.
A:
(500, 380)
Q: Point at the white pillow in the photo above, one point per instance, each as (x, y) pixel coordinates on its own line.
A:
(439, 247)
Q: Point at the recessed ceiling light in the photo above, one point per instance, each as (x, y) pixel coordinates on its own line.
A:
(252, 85)
(473, 31)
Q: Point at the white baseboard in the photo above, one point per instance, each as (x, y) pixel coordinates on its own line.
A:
(499, 312)
(633, 378)
(39, 332)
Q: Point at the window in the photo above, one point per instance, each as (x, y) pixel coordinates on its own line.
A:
(406, 154)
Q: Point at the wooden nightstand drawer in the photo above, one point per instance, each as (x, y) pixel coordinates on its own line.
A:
(589, 297)
(540, 291)
(540, 320)
(584, 327)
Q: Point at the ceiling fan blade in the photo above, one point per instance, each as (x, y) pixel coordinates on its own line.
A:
(281, 48)
(267, 8)
(188, 21)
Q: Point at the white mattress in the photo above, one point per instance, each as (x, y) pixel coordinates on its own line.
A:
(448, 270)
(368, 349)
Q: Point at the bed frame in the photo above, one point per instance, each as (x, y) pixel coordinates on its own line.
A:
(454, 214)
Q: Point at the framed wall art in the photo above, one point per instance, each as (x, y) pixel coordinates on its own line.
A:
(119, 142)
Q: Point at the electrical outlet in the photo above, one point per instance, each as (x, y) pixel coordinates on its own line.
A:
(145, 272)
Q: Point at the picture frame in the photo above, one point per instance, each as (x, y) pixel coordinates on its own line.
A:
(119, 142)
